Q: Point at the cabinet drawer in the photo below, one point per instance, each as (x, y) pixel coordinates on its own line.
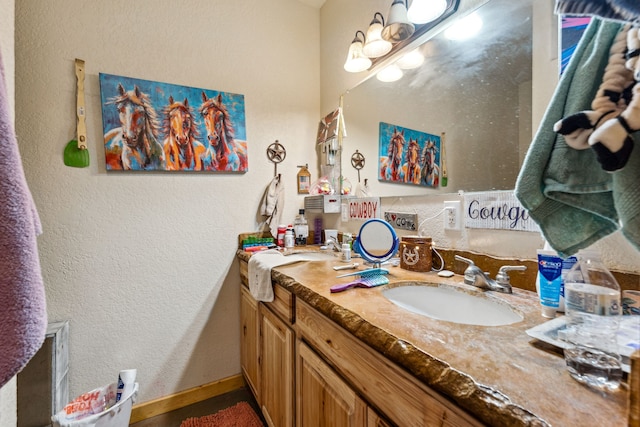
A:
(283, 300)
(396, 394)
(283, 304)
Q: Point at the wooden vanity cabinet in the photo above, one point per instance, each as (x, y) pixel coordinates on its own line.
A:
(277, 364)
(268, 354)
(249, 341)
(323, 398)
(306, 370)
(374, 420)
(403, 400)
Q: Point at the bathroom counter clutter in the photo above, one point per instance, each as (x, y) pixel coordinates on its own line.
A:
(497, 374)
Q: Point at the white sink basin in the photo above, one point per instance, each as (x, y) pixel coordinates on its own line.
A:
(445, 303)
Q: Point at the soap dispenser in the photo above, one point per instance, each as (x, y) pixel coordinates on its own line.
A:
(304, 179)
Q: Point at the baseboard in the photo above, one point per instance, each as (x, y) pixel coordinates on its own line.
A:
(184, 398)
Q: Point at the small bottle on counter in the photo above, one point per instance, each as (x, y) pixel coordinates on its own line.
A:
(317, 231)
(346, 252)
(280, 237)
(301, 228)
(289, 239)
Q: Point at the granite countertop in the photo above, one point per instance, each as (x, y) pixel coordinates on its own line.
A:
(499, 374)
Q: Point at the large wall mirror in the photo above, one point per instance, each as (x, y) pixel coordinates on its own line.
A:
(478, 91)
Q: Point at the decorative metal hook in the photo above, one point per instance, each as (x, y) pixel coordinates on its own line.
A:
(357, 161)
(276, 154)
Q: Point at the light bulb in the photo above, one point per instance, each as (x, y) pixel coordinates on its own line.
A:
(356, 60)
(464, 28)
(411, 60)
(374, 45)
(423, 11)
(390, 73)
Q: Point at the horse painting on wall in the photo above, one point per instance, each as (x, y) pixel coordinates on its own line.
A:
(409, 156)
(164, 127)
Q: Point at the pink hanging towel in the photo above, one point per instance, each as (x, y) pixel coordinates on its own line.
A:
(23, 314)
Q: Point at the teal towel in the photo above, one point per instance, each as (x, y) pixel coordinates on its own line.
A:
(566, 191)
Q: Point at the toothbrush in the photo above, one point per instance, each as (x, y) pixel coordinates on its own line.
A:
(363, 282)
(346, 267)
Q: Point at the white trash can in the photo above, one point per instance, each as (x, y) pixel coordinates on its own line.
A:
(116, 416)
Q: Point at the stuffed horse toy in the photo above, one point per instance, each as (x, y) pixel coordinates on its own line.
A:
(615, 116)
(612, 141)
(609, 102)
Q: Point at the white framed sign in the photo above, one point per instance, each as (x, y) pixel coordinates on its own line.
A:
(497, 210)
(363, 208)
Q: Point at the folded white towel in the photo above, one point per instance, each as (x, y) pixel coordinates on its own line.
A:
(260, 265)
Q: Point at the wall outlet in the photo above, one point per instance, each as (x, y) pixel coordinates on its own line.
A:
(453, 215)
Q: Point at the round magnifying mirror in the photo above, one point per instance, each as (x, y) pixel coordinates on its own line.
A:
(377, 241)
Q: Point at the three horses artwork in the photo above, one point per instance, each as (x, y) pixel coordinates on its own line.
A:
(409, 162)
(184, 138)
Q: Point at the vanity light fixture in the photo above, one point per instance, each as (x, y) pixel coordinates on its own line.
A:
(356, 60)
(411, 60)
(402, 30)
(398, 27)
(390, 73)
(423, 11)
(374, 45)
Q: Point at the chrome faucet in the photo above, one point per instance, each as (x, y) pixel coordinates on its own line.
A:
(474, 276)
(333, 242)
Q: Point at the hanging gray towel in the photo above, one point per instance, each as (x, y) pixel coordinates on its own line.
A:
(273, 204)
(566, 191)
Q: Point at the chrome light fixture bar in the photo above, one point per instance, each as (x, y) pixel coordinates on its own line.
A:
(379, 46)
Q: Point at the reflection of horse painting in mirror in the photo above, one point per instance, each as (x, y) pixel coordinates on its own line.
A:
(430, 168)
(181, 148)
(391, 165)
(408, 156)
(411, 168)
(223, 152)
(134, 145)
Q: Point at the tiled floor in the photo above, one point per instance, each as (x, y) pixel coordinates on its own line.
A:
(206, 407)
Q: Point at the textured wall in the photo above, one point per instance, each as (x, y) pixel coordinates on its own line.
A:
(143, 263)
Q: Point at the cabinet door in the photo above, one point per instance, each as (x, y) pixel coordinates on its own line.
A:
(375, 420)
(324, 399)
(277, 377)
(249, 341)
